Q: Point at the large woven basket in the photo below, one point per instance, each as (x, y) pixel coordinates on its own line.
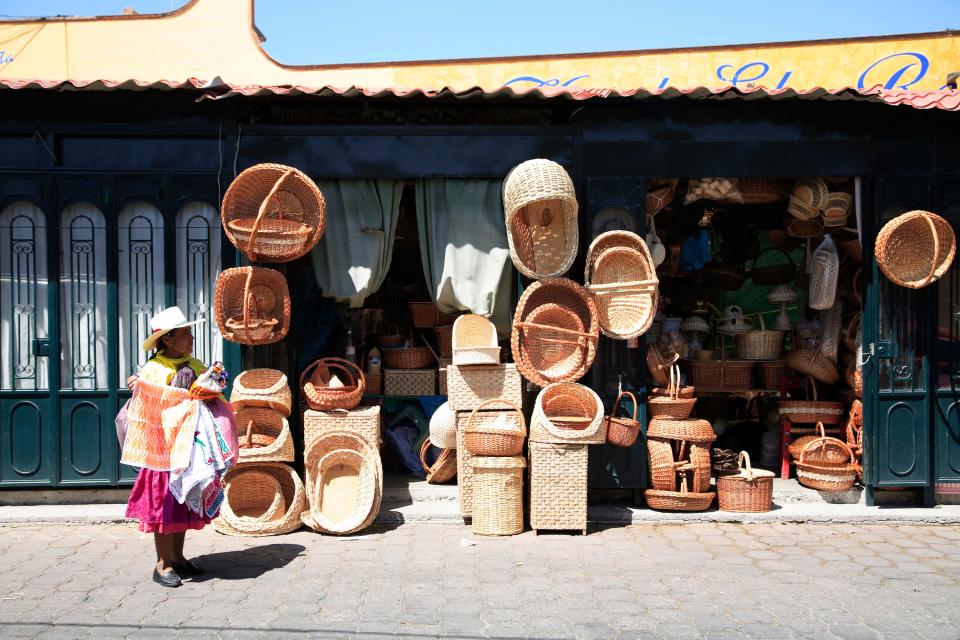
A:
(555, 332)
(670, 460)
(321, 397)
(540, 204)
(264, 436)
(690, 430)
(499, 433)
(568, 413)
(344, 480)
(444, 468)
(273, 213)
(721, 375)
(262, 388)
(497, 495)
(252, 305)
(748, 491)
(474, 341)
(915, 249)
(760, 344)
(254, 510)
(620, 273)
(558, 486)
(623, 431)
(827, 476)
(821, 453)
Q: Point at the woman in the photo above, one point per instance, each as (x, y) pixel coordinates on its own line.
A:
(150, 500)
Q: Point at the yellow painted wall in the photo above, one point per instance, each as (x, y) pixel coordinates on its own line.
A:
(210, 38)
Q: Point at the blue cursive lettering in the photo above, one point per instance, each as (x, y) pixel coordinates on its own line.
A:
(894, 80)
(739, 76)
(550, 82)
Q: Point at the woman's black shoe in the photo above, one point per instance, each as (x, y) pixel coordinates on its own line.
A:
(168, 579)
(187, 569)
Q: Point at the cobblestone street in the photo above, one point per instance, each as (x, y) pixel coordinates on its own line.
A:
(704, 580)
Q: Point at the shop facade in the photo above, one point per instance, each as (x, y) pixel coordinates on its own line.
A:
(109, 209)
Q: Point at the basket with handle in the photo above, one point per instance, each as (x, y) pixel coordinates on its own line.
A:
(819, 454)
(815, 364)
(252, 305)
(566, 412)
(267, 436)
(827, 476)
(672, 459)
(623, 431)
(444, 468)
(811, 411)
(837, 208)
(620, 272)
(657, 366)
(320, 397)
(499, 433)
(671, 405)
(540, 205)
(555, 331)
(748, 491)
(915, 249)
(262, 388)
(760, 344)
(773, 274)
(722, 374)
(273, 213)
(474, 341)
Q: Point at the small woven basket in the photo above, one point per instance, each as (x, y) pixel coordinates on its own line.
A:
(540, 204)
(749, 491)
(797, 228)
(812, 192)
(721, 375)
(497, 508)
(821, 453)
(837, 209)
(772, 373)
(763, 190)
(568, 413)
(484, 437)
(408, 358)
(423, 315)
(812, 411)
(262, 388)
(815, 364)
(252, 305)
(623, 432)
(444, 335)
(273, 213)
(915, 249)
(474, 341)
(321, 397)
(261, 515)
(827, 476)
(690, 430)
(658, 366)
(268, 437)
(671, 405)
(444, 469)
(760, 344)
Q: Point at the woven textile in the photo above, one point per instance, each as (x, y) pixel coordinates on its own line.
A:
(161, 424)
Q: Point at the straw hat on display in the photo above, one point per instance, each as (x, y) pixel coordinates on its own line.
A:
(163, 323)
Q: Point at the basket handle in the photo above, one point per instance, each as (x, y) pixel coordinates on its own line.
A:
(744, 458)
(349, 368)
(854, 322)
(616, 404)
(247, 296)
(583, 405)
(262, 212)
(547, 327)
(513, 407)
(423, 455)
(674, 388)
(249, 434)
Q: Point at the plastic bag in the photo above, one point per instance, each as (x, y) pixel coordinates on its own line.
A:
(716, 189)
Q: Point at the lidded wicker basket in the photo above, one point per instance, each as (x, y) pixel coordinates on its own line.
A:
(321, 397)
(567, 412)
(474, 341)
(273, 213)
(621, 275)
(268, 437)
(499, 433)
(262, 388)
(915, 249)
(252, 305)
(497, 495)
(251, 506)
(555, 331)
(748, 491)
(540, 204)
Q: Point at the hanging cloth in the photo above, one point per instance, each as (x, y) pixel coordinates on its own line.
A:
(463, 247)
(353, 256)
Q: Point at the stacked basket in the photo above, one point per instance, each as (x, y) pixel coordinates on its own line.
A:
(271, 213)
(680, 465)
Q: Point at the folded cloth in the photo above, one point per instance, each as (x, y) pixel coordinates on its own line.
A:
(209, 459)
(161, 423)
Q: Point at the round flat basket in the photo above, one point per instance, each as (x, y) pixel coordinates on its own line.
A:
(253, 509)
(541, 207)
(273, 213)
(689, 430)
(915, 249)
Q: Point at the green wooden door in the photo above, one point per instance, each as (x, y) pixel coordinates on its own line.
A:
(946, 418)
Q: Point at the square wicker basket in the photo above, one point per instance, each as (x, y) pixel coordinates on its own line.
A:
(410, 382)
(468, 386)
(558, 486)
(363, 421)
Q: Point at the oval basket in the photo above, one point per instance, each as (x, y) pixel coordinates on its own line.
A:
(915, 249)
(283, 518)
(541, 207)
(621, 274)
(408, 358)
(568, 413)
(827, 476)
(689, 430)
(252, 305)
(273, 213)
(760, 345)
(623, 431)
(323, 398)
(483, 437)
(682, 500)
(267, 436)
(262, 388)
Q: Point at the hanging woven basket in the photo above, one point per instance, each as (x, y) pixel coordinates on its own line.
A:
(264, 436)
(540, 204)
(262, 388)
(555, 331)
(252, 305)
(915, 249)
(623, 431)
(621, 275)
(273, 213)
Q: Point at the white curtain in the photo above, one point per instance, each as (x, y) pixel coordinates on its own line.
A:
(463, 246)
(353, 256)
(198, 265)
(140, 288)
(83, 297)
(23, 297)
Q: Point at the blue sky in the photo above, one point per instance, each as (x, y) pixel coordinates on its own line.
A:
(332, 31)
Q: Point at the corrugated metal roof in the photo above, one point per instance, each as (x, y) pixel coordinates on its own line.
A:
(216, 90)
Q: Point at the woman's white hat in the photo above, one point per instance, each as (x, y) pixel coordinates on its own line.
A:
(164, 322)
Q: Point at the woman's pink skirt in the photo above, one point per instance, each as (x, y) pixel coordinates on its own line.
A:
(158, 511)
